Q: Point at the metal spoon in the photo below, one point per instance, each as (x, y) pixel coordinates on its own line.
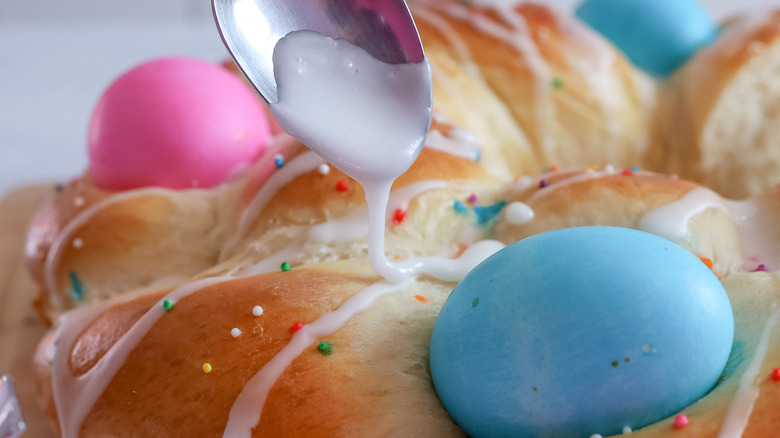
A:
(251, 28)
(11, 423)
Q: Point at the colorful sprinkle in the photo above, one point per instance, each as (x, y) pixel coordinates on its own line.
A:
(558, 83)
(627, 430)
(553, 168)
(627, 172)
(235, 332)
(399, 216)
(78, 201)
(326, 348)
(78, 243)
(596, 435)
(477, 155)
(460, 208)
(167, 305)
(207, 368)
(58, 188)
(278, 160)
(257, 310)
(324, 169)
(295, 327)
(543, 183)
(475, 302)
(680, 422)
(592, 168)
(636, 169)
(706, 261)
(775, 375)
(472, 199)
(286, 267)
(342, 185)
(761, 268)
(488, 213)
(78, 288)
(421, 298)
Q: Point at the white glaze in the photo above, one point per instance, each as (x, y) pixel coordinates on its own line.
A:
(75, 396)
(245, 412)
(61, 241)
(296, 167)
(670, 221)
(518, 213)
(741, 406)
(757, 230)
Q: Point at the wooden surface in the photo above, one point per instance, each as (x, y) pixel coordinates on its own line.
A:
(20, 328)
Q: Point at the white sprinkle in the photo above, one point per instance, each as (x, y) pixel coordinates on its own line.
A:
(518, 213)
(235, 332)
(596, 435)
(78, 243)
(646, 348)
(257, 311)
(78, 201)
(324, 169)
(627, 430)
(609, 168)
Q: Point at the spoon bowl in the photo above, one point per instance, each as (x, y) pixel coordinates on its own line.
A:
(250, 30)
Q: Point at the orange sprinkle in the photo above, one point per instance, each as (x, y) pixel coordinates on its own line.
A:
(553, 168)
(461, 249)
(706, 261)
(421, 298)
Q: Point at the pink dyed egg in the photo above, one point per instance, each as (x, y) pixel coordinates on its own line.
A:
(175, 123)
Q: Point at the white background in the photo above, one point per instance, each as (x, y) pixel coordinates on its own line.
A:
(56, 57)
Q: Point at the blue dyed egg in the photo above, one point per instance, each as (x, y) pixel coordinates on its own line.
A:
(657, 35)
(580, 331)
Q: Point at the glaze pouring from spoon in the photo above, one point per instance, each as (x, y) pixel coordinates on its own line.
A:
(362, 99)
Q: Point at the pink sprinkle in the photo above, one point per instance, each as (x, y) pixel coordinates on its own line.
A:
(542, 183)
(761, 268)
(473, 199)
(680, 422)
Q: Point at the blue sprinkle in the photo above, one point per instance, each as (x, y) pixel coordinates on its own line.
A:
(486, 214)
(78, 288)
(477, 155)
(460, 208)
(635, 169)
(279, 161)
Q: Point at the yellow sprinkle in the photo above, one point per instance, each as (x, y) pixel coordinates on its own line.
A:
(593, 168)
(206, 367)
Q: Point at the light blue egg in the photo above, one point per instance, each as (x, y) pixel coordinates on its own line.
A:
(657, 35)
(580, 331)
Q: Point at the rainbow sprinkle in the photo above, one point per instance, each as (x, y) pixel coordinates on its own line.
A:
(278, 160)
(398, 216)
(680, 422)
(421, 298)
(342, 185)
(257, 310)
(558, 83)
(78, 289)
(207, 368)
(326, 348)
(323, 169)
(295, 327)
(761, 268)
(543, 183)
(488, 213)
(775, 376)
(167, 305)
(460, 208)
(286, 267)
(235, 332)
(472, 199)
(475, 302)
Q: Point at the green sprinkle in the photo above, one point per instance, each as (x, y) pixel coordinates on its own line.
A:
(286, 267)
(78, 288)
(475, 302)
(326, 348)
(558, 83)
(168, 305)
